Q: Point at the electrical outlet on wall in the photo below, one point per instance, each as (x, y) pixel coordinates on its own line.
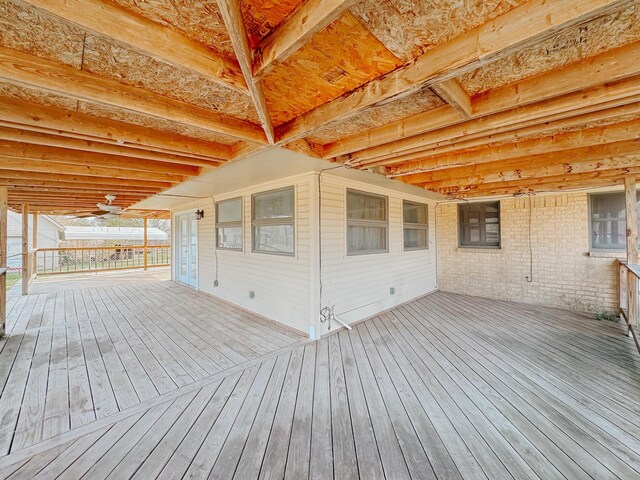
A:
(392, 291)
(252, 294)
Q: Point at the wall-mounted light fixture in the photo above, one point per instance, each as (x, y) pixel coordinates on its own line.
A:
(199, 214)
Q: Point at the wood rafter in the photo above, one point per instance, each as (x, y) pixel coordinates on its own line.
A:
(521, 27)
(562, 90)
(163, 43)
(543, 184)
(91, 147)
(557, 143)
(577, 160)
(452, 93)
(307, 19)
(21, 68)
(232, 16)
(84, 126)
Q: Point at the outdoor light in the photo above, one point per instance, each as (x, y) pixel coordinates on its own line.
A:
(199, 214)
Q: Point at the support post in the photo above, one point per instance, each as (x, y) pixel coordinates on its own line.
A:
(4, 194)
(145, 242)
(34, 243)
(632, 246)
(25, 249)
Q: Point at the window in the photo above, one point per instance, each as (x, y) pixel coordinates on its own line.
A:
(367, 223)
(479, 225)
(229, 224)
(608, 221)
(416, 230)
(272, 221)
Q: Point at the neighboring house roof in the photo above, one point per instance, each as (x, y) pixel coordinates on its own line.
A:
(113, 233)
(14, 226)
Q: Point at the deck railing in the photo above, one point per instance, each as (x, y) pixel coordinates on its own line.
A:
(97, 259)
(629, 294)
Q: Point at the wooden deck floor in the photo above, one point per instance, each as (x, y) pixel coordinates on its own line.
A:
(445, 387)
(77, 355)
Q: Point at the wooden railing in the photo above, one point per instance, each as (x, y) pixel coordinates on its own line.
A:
(29, 269)
(51, 261)
(629, 305)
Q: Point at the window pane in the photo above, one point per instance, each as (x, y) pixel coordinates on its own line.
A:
(230, 237)
(274, 238)
(229, 211)
(608, 221)
(364, 239)
(366, 207)
(274, 204)
(479, 224)
(414, 213)
(415, 238)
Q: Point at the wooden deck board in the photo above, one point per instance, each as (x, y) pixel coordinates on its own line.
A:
(82, 354)
(445, 387)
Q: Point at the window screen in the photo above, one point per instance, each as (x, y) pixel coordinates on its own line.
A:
(608, 224)
(415, 226)
(272, 222)
(367, 223)
(479, 224)
(229, 224)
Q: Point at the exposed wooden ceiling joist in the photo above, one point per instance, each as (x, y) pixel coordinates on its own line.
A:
(79, 179)
(542, 184)
(307, 19)
(541, 96)
(232, 15)
(45, 166)
(67, 122)
(18, 150)
(91, 147)
(163, 43)
(24, 69)
(521, 27)
(452, 93)
(577, 160)
(582, 138)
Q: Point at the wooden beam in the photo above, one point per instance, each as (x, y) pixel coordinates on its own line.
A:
(569, 181)
(34, 229)
(306, 20)
(25, 249)
(21, 68)
(528, 24)
(232, 15)
(451, 92)
(18, 150)
(596, 83)
(67, 122)
(631, 208)
(162, 42)
(568, 141)
(579, 160)
(145, 222)
(52, 186)
(510, 134)
(67, 177)
(631, 201)
(48, 140)
(3, 259)
(54, 169)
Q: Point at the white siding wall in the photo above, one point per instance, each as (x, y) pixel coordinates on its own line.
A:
(281, 284)
(359, 285)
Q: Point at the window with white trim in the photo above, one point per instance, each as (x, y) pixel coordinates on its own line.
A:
(479, 224)
(415, 225)
(229, 224)
(608, 221)
(272, 222)
(367, 223)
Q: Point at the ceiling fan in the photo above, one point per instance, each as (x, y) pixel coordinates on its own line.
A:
(107, 211)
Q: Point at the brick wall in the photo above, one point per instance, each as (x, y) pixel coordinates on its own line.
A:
(565, 274)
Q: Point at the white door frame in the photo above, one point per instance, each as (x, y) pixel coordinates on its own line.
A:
(189, 214)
